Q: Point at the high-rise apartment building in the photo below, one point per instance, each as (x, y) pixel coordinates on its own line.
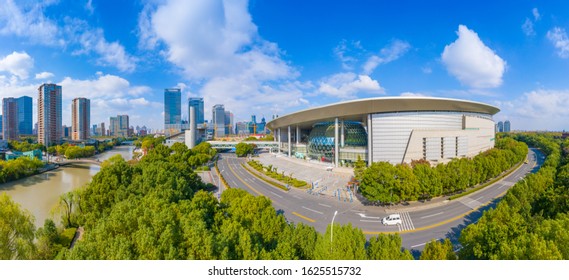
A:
(172, 110)
(49, 114)
(25, 112)
(10, 119)
(119, 126)
(197, 103)
(80, 118)
(218, 120)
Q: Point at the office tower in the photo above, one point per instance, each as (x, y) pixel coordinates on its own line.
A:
(25, 112)
(80, 118)
(119, 126)
(507, 126)
(500, 127)
(10, 119)
(218, 120)
(49, 114)
(197, 103)
(228, 123)
(261, 126)
(1, 125)
(172, 110)
(102, 127)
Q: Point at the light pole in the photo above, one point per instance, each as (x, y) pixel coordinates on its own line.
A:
(332, 229)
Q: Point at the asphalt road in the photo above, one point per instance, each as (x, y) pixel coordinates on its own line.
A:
(422, 223)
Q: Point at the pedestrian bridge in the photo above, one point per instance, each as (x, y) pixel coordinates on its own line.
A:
(232, 144)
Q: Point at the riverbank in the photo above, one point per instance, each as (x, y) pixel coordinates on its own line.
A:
(40, 193)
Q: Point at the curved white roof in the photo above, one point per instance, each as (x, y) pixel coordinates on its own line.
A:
(358, 109)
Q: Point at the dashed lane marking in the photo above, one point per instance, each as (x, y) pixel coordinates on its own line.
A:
(324, 205)
(370, 221)
(428, 216)
(312, 210)
(418, 245)
(277, 194)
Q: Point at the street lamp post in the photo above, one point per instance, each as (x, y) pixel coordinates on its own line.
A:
(332, 230)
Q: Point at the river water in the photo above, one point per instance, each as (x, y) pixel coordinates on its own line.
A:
(40, 193)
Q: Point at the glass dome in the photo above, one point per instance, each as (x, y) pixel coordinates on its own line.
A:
(321, 139)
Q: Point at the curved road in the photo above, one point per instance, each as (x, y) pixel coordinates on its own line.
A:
(434, 220)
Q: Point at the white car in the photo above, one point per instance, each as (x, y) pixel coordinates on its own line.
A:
(391, 220)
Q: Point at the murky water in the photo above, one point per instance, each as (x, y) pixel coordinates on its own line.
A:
(40, 193)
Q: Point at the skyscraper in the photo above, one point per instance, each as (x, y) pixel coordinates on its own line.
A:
(172, 110)
(229, 123)
(507, 126)
(500, 127)
(197, 103)
(49, 114)
(218, 120)
(10, 118)
(25, 112)
(80, 118)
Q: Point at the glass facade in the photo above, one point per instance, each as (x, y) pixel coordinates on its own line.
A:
(321, 139)
(197, 103)
(24, 115)
(172, 109)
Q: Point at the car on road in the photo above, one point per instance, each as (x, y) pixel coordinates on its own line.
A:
(391, 220)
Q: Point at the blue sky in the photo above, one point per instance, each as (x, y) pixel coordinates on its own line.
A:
(274, 57)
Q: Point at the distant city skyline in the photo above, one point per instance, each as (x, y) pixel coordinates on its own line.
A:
(277, 57)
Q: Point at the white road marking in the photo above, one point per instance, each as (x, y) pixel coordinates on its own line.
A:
(428, 216)
(298, 197)
(406, 222)
(312, 210)
(370, 221)
(480, 198)
(364, 216)
(276, 194)
(418, 245)
(357, 211)
(324, 205)
(501, 186)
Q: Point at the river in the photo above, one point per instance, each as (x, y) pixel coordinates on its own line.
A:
(40, 193)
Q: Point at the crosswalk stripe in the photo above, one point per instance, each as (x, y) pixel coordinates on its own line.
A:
(406, 222)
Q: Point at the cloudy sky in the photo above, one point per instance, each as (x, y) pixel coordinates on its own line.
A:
(268, 57)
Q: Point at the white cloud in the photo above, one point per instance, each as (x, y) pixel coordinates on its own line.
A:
(104, 86)
(28, 22)
(92, 40)
(389, 53)
(540, 109)
(527, 28)
(558, 37)
(89, 7)
(472, 62)
(44, 75)
(213, 38)
(536, 15)
(347, 53)
(216, 45)
(17, 63)
(346, 85)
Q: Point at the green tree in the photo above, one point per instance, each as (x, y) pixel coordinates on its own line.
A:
(243, 149)
(16, 231)
(436, 250)
(387, 247)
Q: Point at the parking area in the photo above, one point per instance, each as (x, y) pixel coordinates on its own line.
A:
(325, 179)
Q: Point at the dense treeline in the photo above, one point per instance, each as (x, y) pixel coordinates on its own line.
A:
(531, 221)
(385, 183)
(244, 149)
(25, 145)
(157, 209)
(19, 168)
